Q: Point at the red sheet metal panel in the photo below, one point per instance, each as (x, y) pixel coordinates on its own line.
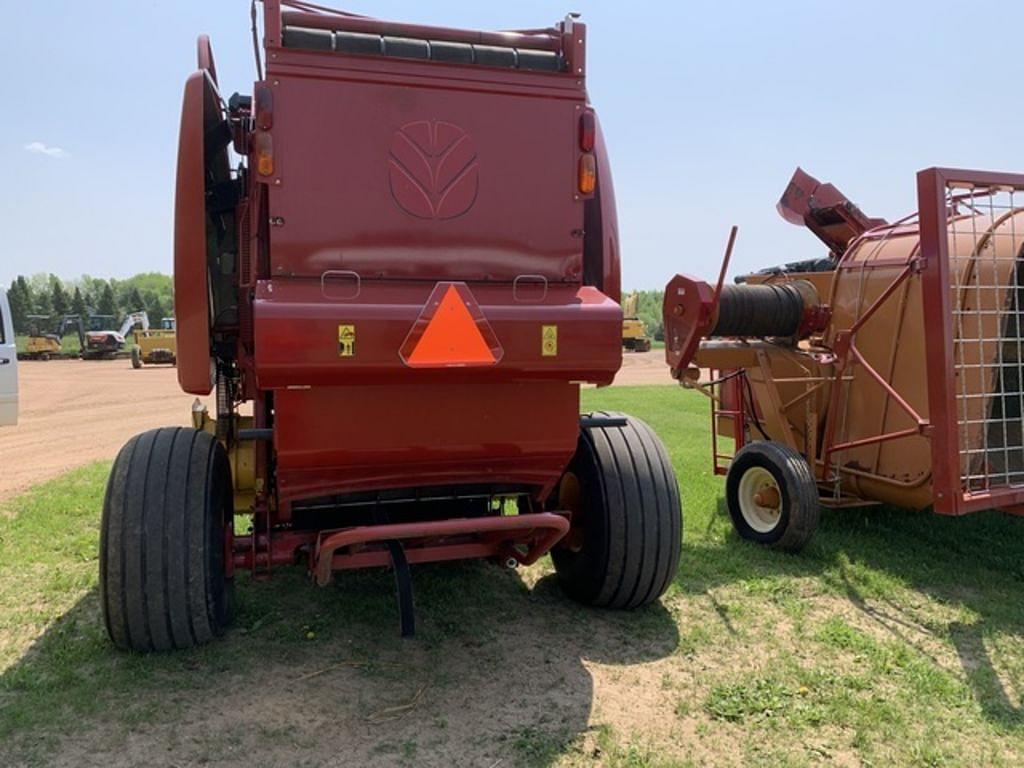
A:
(298, 323)
(376, 436)
(191, 293)
(423, 171)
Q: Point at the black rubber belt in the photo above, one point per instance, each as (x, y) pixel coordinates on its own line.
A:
(403, 579)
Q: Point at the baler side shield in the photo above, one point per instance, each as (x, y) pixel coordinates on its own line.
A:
(191, 283)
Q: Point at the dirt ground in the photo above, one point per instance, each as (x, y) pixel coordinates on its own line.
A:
(74, 412)
(643, 368)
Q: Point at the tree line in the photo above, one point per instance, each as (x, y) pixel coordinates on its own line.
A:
(49, 296)
(648, 309)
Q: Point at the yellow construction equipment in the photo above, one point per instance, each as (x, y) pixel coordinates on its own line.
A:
(43, 345)
(156, 345)
(634, 330)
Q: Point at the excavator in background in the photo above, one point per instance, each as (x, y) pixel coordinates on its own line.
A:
(42, 345)
(156, 346)
(103, 344)
(634, 330)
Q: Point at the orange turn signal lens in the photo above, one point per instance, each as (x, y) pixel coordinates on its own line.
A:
(263, 148)
(588, 174)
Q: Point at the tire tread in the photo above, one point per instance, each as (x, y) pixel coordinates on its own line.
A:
(636, 498)
(161, 516)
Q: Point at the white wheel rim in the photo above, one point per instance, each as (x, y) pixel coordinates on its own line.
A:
(758, 512)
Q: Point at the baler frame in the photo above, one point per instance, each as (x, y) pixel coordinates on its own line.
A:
(406, 278)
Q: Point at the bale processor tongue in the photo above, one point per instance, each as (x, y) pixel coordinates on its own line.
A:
(821, 362)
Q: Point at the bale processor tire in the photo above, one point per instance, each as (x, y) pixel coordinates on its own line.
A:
(136, 358)
(167, 508)
(623, 548)
(772, 496)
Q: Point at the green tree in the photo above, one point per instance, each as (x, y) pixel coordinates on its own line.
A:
(78, 305)
(154, 307)
(106, 304)
(60, 303)
(135, 301)
(21, 303)
(42, 302)
(649, 310)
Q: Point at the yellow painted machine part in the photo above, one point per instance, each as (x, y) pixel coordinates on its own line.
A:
(241, 457)
(38, 345)
(634, 329)
(152, 340)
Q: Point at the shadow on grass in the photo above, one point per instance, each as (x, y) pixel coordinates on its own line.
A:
(495, 673)
(972, 564)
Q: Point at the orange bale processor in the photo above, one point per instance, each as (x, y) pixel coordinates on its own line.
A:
(891, 371)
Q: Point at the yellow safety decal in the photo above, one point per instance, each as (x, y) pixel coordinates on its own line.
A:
(346, 341)
(549, 340)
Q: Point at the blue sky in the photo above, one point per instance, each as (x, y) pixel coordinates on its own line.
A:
(707, 107)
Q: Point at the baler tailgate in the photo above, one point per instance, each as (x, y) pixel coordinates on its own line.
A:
(412, 177)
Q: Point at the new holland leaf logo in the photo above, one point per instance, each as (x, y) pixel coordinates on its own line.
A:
(433, 170)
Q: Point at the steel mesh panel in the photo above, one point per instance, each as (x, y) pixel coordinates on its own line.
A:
(984, 238)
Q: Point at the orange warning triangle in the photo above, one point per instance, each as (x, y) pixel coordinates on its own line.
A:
(452, 337)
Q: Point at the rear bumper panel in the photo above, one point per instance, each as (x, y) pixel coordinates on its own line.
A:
(297, 334)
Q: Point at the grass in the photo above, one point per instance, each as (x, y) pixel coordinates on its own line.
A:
(895, 638)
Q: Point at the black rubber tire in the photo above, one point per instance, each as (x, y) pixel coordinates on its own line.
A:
(801, 507)
(136, 358)
(162, 581)
(632, 520)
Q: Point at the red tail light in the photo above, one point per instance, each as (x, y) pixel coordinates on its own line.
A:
(587, 131)
(264, 107)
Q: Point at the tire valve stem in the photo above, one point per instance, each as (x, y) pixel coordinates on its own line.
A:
(511, 563)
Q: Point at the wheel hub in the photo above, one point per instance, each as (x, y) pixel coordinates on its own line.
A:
(570, 499)
(760, 499)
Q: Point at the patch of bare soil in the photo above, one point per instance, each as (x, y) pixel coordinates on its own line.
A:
(643, 368)
(74, 412)
(517, 686)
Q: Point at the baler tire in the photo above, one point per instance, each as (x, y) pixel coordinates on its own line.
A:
(167, 506)
(631, 518)
(799, 507)
(136, 358)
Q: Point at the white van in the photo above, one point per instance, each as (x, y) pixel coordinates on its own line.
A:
(8, 366)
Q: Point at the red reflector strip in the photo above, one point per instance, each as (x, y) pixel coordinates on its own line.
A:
(451, 331)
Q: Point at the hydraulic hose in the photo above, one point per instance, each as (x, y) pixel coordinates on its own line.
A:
(760, 310)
